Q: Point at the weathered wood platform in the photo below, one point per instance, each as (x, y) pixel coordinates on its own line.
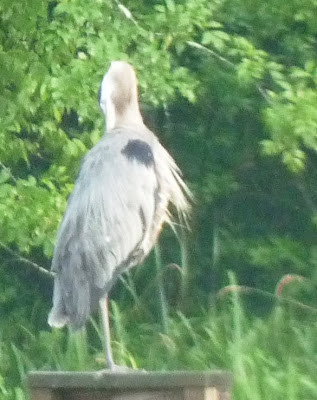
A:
(104, 385)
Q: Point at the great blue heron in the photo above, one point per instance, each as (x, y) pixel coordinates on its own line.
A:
(118, 206)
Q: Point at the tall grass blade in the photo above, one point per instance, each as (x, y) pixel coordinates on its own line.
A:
(161, 294)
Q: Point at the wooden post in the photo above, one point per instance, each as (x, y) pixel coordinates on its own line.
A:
(106, 385)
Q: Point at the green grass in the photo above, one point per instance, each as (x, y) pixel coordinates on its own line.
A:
(273, 357)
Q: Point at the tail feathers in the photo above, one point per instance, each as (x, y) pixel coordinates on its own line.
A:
(71, 302)
(57, 318)
(80, 277)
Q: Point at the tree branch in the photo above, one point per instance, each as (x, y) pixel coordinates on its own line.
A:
(227, 62)
(24, 260)
(251, 290)
(8, 171)
(211, 52)
(127, 13)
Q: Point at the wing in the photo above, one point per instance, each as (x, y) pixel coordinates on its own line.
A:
(107, 217)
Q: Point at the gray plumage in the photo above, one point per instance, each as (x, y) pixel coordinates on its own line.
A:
(119, 203)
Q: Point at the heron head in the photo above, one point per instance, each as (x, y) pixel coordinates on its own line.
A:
(118, 96)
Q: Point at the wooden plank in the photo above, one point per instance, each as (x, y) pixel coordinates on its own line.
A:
(76, 394)
(131, 380)
(138, 395)
(44, 394)
(209, 393)
(106, 385)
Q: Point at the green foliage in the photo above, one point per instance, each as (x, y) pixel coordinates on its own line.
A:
(252, 98)
(270, 358)
(297, 103)
(230, 88)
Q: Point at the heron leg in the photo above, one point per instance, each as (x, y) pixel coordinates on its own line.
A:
(110, 365)
(104, 308)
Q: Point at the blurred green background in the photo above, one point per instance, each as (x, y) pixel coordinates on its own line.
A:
(230, 89)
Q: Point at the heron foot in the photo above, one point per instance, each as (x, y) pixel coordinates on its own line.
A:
(120, 369)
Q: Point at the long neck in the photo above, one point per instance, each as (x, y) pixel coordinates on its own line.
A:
(122, 106)
(118, 116)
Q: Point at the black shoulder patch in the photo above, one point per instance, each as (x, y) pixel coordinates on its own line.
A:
(139, 151)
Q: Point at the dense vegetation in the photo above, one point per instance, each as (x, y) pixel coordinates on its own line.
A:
(230, 88)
